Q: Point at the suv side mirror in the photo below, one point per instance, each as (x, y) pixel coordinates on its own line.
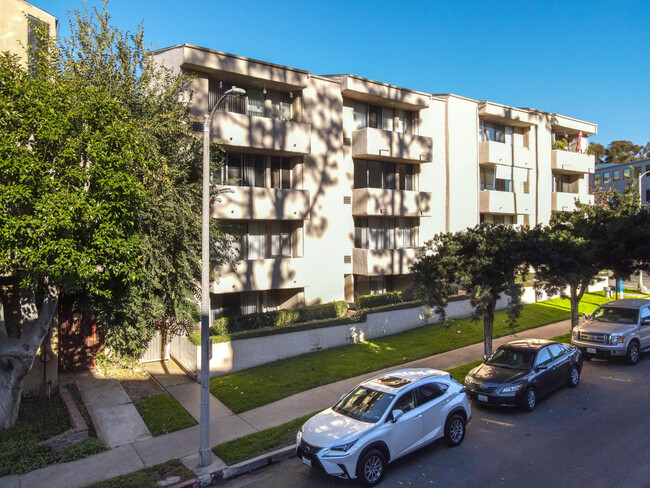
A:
(396, 414)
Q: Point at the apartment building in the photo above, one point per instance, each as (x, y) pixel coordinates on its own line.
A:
(616, 177)
(337, 180)
(19, 22)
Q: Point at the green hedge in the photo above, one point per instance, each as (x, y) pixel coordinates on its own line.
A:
(380, 300)
(278, 318)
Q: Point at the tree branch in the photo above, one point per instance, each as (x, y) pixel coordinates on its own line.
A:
(13, 348)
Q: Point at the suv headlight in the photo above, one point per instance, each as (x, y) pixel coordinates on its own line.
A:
(343, 447)
(616, 339)
(511, 389)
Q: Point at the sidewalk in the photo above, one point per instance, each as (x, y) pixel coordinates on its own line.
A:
(224, 425)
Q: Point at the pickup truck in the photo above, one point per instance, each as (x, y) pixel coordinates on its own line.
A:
(620, 328)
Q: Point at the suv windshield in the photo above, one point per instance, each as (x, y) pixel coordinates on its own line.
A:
(511, 358)
(364, 404)
(617, 315)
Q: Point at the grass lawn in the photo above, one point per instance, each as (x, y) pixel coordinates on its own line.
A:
(256, 444)
(38, 420)
(265, 384)
(149, 477)
(163, 414)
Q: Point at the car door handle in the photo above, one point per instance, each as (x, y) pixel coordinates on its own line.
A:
(418, 417)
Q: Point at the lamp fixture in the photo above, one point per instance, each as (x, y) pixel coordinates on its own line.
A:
(264, 90)
(290, 94)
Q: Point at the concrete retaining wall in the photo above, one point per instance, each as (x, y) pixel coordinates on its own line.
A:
(228, 357)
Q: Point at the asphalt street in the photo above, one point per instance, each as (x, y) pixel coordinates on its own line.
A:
(596, 435)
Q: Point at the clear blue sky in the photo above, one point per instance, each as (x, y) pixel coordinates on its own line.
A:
(587, 60)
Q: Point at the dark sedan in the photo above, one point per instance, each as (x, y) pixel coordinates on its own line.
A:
(520, 372)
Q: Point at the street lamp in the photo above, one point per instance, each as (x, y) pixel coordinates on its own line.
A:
(204, 449)
(640, 204)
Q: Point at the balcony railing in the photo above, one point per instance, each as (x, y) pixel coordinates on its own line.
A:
(504, 202)
(252, 203)
(261, 274)
(506, 154)
(572, 162)
(250, 131)
(402, 203)
(375, 262)
(384, 145)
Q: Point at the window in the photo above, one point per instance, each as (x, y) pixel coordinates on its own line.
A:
(617, 175)
(487, 177)
(489, 131)
(426, 393)
(280, 239)
(253, 103)
(556, 350)
(385, 118)
(502, 185)
(374, 233)
(498, 219)
(564, 183)
(280, 173)
(377, 174)
(406, 232)
(543, 357)
(597, 180)
(244, 170)
(647, 196)
(626, 174)
(606, 177)
(406, 402)
(637, 172)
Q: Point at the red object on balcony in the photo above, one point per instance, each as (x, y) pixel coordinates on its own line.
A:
(579, 145)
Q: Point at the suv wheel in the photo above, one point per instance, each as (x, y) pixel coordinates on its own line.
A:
(371, 467)
(574, 376)
(530, 399)
(632, 356)
(455, 430)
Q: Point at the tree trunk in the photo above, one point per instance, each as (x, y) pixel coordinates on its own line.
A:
(488, 323)
(576, 291)
(17, 355)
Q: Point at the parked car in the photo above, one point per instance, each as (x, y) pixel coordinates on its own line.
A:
(620, 328)
(522, 371)
(383, 419)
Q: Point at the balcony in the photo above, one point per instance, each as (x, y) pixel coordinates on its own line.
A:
(285, 137)
(566, 201)
(383, 145)
(250, 203)
(375, 262)
(572, 162)
(500, 153)
(402, 203)
(261, 274)
(505, 202)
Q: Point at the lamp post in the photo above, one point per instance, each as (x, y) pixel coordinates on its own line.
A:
(640, 285)
(204, 449)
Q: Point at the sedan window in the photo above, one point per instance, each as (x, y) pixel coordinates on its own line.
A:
(511, 358)
(544, 357)
(557, 350)
(426, 393)
(364, 404)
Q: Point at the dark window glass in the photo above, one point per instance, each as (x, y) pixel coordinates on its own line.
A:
(543, 357)
(281, 173)
(374, 116)
(360, 173)
(406, 402)
(511, 358)
(374, 174)
(556, 350)
(364, 404)
(426, 393)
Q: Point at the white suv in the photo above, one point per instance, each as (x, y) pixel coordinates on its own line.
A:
(383, 419)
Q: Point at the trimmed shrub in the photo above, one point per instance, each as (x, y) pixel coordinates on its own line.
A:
(380, 300)
(278, 318)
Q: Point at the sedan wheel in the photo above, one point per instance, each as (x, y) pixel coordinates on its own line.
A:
(574, 376)
(455, 430)
(632, 356)
(530, 400)
(371, 467)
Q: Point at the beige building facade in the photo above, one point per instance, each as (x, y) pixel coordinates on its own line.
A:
(337, 180)
(18, 23)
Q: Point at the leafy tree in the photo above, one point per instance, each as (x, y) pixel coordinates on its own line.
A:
(598, 150)
(100, 193)
(485, 261)
(623, 152)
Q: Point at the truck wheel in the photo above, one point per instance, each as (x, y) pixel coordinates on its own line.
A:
(632, 356)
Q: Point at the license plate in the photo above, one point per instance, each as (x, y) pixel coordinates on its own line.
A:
(592, 350)
(482, 398)
(306, 461)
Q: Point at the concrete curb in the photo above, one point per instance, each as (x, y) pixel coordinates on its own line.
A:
(252, 464)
